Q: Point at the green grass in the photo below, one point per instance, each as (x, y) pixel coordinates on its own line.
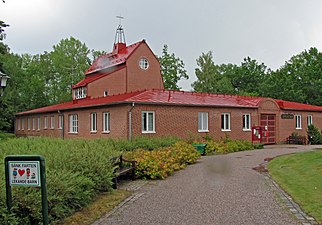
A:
(103, 204)
(300, 175)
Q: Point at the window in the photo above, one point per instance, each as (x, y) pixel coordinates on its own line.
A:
(106, 122)
(60, 122)
(93, 122)
(33, 123)
(105, 93)
(22, 124)
(45, 122)
(73, 124)
(29, 123)
(309, 120)
(225, 121)
(148, 125)
(18, 124)
(246, 122)
(80, 93)
(202, 122)
(144, 63)
(38, 125)
(52, 122)
(298, 122)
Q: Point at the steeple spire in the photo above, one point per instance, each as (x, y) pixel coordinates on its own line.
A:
(119, 42)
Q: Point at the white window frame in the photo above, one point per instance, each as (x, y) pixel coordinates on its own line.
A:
(23, 124)
(247, 122)
(60, 122)
(73, 123)
(225, 122)
(146, 124)
(144, 63)
(45, 122)
(298, 122)
(106, 122)
(38, 123)
(80, 93)
(203, 122)
(309, 120)
(18, 124)
(33, 123)
(52, 122)
(29, 123)
(93, 122)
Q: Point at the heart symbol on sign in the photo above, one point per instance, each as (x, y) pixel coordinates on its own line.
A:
(21, 172)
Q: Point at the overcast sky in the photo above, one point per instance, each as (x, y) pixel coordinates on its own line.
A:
(270, 31)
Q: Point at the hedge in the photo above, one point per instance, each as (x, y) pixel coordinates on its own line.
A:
(77, 170)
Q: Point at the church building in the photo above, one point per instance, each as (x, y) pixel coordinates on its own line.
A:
(122, 96)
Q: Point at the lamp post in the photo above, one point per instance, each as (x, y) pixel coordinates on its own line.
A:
(3, 82)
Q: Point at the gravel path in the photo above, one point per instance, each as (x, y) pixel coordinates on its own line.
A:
(216, 190)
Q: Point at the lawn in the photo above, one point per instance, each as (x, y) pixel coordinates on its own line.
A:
(300, 175)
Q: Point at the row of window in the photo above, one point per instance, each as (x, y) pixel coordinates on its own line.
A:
(148, 122)
(34, 123)
(298, 121)
(225, 122)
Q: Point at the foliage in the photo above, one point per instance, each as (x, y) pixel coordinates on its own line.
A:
(314, 135)
(172, 69)
(76, 170)
(228, 146)
(42, 79)
(142, 143)
(258, 146)
(160, 163)
(300, 176)
(4, 136)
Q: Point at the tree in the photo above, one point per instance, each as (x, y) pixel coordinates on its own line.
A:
(69, 60)
(211, 77)
(299, 79)
(248, 78)
(172, 69)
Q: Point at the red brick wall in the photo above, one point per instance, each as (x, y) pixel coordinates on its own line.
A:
(181, 121)
(114, 83)
(139, 79)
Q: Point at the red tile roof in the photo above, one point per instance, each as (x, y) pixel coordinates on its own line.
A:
(173, 98)
(297, 106)
(91, 77)
(112, 59)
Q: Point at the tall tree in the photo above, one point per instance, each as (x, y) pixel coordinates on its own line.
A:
(211, 77)
(299, 79)
(69, 61)
(172, 69)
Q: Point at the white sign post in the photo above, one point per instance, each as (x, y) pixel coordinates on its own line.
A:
(24, 173)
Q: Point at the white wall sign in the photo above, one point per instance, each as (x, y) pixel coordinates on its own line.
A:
(24, 173)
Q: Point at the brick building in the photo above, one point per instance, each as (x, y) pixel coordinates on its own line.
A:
(122, 96)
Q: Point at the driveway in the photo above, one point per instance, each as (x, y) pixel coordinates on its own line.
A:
(222, 189)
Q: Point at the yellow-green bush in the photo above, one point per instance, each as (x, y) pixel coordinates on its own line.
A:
(160, 163)
(227, 146)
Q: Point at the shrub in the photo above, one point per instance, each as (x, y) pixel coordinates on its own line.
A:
(76, 170)
(314, 135)
(160, 163)
(228, 146)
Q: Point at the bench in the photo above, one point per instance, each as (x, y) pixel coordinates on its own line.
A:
(123, 167)
(296, 140)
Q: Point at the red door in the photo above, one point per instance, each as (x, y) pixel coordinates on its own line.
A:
(268, 124)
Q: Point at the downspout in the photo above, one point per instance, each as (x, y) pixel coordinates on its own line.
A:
(130, 122)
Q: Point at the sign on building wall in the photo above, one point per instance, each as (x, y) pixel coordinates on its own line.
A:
(24, 173)
(287, 116)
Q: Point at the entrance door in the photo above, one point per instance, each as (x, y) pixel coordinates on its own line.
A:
(268, 124)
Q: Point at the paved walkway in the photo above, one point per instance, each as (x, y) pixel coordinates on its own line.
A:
(217, 190)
